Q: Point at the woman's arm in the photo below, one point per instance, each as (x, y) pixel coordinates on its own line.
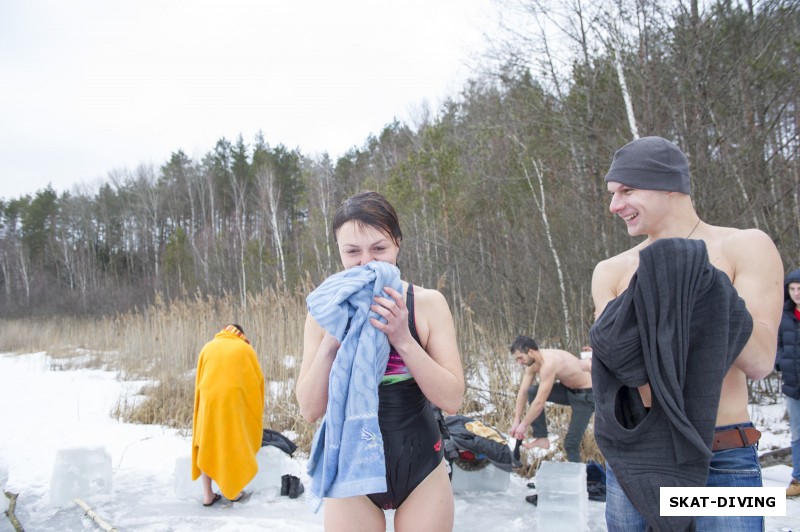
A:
(319, 351)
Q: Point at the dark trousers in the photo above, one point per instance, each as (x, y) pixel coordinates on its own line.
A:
(582, 404)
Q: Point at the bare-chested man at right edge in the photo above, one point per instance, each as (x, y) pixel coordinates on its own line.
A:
(684, 318)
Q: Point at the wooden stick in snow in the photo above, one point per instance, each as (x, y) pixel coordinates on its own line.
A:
(93, 515)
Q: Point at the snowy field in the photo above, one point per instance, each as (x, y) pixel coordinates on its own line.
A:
(45, 409)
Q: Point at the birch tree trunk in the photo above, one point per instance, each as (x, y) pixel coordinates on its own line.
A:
(626, 96)
(540, 198)
(6, 275)
(24, 273)
(541, 204)
(240, 212)
(267, 185)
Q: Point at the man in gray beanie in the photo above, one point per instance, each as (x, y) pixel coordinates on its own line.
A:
(649, 182)
(651, 163)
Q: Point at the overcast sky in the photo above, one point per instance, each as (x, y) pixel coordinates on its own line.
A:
(90, 86)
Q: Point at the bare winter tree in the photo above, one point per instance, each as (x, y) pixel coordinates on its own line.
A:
(269, 194)
(239, 189)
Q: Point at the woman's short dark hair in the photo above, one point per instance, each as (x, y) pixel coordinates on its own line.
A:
(523, 344)
(369, 209)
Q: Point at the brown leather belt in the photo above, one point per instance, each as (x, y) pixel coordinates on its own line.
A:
(735, 438)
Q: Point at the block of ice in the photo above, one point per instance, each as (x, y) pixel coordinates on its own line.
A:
(562, 495)
(560, 520)
(3, 482)
(80, 472)
(272, 465)
(3, 474)
(490, 479)
(183, 483)
(569, 477)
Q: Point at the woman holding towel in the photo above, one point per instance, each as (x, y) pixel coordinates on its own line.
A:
(377, 352)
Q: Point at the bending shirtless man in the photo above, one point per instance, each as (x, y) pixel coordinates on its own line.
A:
(573, 389)
(650, 191)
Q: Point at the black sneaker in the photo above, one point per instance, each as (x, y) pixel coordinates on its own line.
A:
(532, 485)
(295, 487)
(533, 499)
(597, 492)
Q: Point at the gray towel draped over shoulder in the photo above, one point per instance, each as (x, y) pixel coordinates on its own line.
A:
(678, 326)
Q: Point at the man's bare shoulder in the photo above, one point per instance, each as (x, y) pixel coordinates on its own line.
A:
(731, 249)
(558, 357)
(734, 236)
(566, 367)
(556, 352)
(623, 262)
(734, 239)
(617, 263)
(611, 276)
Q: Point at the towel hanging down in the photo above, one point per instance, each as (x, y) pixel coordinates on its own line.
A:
(347, 452)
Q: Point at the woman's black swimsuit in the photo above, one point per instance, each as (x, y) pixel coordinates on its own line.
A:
(412, 442)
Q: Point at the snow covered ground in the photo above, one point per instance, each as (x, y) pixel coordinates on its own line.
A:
(43, 409)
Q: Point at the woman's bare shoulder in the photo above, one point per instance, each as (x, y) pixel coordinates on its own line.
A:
(432, 311)
(428, 296)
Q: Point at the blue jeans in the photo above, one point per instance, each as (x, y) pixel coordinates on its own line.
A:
(793, 406)
(731, 468)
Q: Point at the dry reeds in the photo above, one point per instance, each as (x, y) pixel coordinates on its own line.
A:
(160, 344)
(168, 402)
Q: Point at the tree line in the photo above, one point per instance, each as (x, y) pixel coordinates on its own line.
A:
(500, 191)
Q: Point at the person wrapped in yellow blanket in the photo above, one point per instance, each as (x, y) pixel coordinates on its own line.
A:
(227, 427)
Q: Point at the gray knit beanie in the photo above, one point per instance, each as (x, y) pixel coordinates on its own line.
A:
(651, 163)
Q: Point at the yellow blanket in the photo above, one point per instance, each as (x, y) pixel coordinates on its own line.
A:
(228, 406)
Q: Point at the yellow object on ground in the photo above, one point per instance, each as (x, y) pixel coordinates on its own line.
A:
(476, 427)
(227, 428)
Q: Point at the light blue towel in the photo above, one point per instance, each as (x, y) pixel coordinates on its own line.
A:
(347, 451)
